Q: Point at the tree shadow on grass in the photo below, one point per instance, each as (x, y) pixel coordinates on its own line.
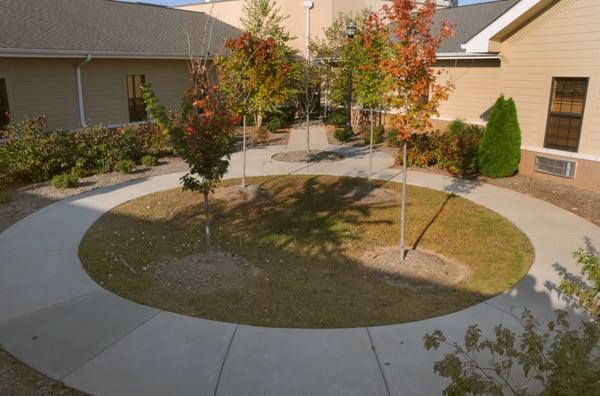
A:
(303, 239)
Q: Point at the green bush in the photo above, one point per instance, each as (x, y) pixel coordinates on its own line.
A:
(32, 153)
(392, 138)
(67, 180)
(5, 197)
(124, 166)
(338, 118)
(500, 148)
(287, 115)
(423, 150)
(459, 127)
(457, 154)
(378, 133)
(149, 160)
(275, 123)
(343, 134)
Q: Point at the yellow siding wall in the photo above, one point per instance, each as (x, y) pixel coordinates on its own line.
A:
(564, 41)
(44, 86)
(48, 86)
(105, 86)
(477, 85)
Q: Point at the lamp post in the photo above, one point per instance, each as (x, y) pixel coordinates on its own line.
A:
(350, 32)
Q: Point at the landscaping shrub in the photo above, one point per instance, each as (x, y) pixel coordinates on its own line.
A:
(343, 134)
(149, 160)
(392, 138)
(378, 132)
(32, 153)
(459, 127)
(500, 148)
(67, 180)
(5, 197)
(337, 117)
(423, 150)
(262, 134)
(287, 115)
(275, 123)
(457, 154)
(124, 166)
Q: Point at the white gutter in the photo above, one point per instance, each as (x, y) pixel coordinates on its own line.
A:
(466, 55)
(51, 53)
(87, 60)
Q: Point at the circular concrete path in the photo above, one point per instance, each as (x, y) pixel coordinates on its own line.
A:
(56, 319)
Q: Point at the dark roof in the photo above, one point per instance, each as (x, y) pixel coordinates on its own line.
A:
(106, 26)
(469, 20)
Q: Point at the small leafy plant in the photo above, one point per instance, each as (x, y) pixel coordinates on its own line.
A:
(560, 360)
(378, 133)
(343, 134)
(392, 137)
(67, 180)
(5, 197)
(275, 123)
(149, 160)
(124, 166)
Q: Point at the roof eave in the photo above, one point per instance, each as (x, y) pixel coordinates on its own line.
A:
(53, 53)
(466, 55)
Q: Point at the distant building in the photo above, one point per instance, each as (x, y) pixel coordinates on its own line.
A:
(322, 14)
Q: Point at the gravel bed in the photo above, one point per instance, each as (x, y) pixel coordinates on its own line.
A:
(33, 197)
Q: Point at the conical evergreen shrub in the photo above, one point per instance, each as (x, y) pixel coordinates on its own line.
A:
(500, 148)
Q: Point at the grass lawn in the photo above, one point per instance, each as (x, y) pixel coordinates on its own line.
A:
(307, 237)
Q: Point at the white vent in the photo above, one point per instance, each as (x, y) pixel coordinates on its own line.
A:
(555, 166)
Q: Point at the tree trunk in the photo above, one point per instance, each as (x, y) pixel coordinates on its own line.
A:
(403, 215)
(207, 220)
(307, 130)
(244, 154)
(371, 151)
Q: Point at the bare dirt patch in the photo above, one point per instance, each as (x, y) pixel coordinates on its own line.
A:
(204, 273)
(362, 195)
(420, 269)
(238, 194)
(308, 157)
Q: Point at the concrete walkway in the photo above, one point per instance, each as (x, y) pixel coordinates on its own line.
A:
(56, 319)
(317, 135)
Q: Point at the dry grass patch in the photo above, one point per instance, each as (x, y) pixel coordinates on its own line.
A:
(306, 237)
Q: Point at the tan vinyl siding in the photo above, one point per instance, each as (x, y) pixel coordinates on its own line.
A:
(49, 87)
(477, 85)
(564, 41)
(105, 86)
(42, 86)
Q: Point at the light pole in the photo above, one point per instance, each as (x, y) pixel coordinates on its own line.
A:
(309, 6)
(350, 32)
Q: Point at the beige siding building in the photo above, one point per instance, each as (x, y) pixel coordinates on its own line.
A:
(90, 72)
(322, 13)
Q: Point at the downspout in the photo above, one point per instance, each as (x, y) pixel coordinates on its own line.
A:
(87, 60)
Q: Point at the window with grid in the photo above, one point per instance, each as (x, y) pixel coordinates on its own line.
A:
(566, 113)
(4, 110)
(137, 108)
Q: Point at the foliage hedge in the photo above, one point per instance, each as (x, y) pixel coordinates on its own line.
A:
(343, 134)
(500, 148)
(454, 151)
(337, 117)
(378, 133)
(33, 153)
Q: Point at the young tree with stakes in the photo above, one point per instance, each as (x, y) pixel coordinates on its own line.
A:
(411, 46)
(202, 133)
(257, 75)
(369, 77)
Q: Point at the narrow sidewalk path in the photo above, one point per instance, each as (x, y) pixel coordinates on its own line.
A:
(317, 135)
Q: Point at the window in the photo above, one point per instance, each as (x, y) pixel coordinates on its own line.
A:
(565, 116)
(137, 108)
(4, 110)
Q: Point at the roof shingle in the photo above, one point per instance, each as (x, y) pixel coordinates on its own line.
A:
(106, 26)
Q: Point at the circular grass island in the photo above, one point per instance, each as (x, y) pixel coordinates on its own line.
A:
(306, 252)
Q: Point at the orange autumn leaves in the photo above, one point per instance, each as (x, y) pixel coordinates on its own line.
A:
(406, 61)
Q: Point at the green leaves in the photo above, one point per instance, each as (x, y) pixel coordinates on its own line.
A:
(560, 360)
